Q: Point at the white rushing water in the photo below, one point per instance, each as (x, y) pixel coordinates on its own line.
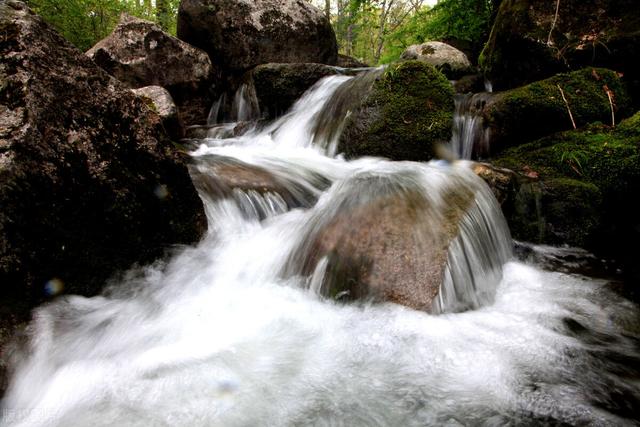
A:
(470, 138)
(233, 333)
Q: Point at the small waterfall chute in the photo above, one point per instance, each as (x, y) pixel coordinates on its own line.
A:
(470, 137)
(242, 106)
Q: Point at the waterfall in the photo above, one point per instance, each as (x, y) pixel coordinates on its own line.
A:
(244, 106)
(216, 108)
(248, 327)
(469, 136)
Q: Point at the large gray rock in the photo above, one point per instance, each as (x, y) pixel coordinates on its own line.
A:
(89, 181)
(409, 238)
(449, 60)
(139, 53)
(240, 34)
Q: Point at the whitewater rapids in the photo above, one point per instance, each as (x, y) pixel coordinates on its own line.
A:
(218, 336)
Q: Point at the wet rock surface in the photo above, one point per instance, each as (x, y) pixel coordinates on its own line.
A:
(139, 53)
(279, 86)
(222, 177)
(385, 248)
(89, 181)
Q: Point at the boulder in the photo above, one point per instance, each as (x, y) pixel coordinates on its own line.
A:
(159, 100)
(220, 176)
(139, 53)
(502, 182)
(449, 60)
(257, 191)
(279, 86)
(587, 182)
(530, 42)
(240, 34)
(399, 113)
(394, 237)
(89, 181)
(538, 109)
(519, 195)
(373, 249)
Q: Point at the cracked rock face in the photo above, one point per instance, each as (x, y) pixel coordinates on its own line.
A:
(89, 181)
(240, 34)
(139, 54)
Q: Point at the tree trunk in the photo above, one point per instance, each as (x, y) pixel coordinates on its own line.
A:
(379, 43)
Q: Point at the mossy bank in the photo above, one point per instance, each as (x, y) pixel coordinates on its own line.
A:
(583, 188)
(555, 104)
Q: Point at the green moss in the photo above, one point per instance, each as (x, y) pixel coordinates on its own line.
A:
(588, 178)
(538, 109)
(571, 210)
(521, 48)
(630, 127)
(409, 108)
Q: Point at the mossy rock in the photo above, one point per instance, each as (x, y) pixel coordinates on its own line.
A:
(585, 188)
(404, 112)
(528, 42)
(538, 109)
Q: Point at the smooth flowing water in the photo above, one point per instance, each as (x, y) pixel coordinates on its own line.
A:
(470, 138)
(234, 332)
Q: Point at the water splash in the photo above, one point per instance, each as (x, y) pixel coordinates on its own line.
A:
(219, 336)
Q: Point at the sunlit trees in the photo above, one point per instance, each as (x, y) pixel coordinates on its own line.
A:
(84, 22)
(374, 31)
(377, 31)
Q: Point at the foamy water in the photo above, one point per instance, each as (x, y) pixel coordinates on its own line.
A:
(220, 335)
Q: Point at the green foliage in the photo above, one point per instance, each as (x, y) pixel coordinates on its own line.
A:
(85, 22)
(377, 31)
(413, 31)
(587, 178)
(467, 20)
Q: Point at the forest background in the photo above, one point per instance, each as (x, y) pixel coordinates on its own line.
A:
(373, 31)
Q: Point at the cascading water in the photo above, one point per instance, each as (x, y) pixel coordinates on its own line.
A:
(244, 106)
(469, 136)
(236, 332)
